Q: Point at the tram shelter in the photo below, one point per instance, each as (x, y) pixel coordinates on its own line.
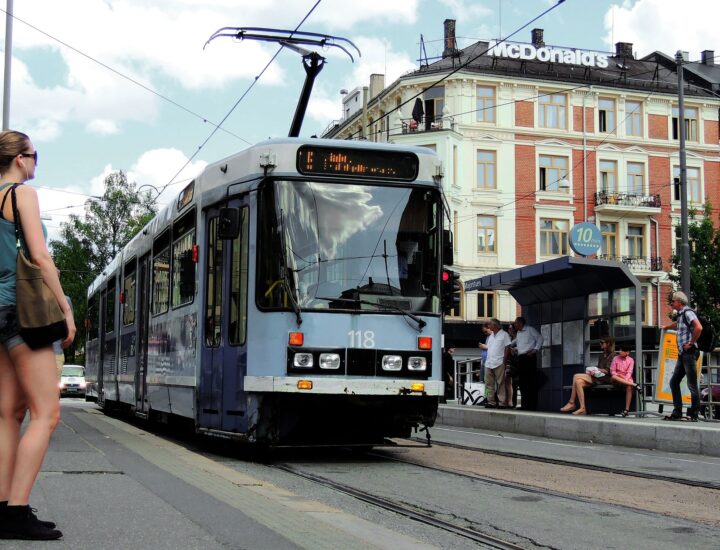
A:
(573, 302)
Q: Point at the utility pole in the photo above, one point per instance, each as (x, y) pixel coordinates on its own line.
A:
(8, 63)
(685, 245)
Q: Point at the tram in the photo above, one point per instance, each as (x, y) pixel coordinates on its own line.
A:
(290, 295)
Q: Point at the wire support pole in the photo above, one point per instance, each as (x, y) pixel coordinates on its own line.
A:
(8, 64)
(684, 238)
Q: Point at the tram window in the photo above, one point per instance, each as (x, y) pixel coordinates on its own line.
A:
(93, 324)
(214, 286)
(129, 292)
(239, 288)
(110, 308)
(161, 282)
(183, 276)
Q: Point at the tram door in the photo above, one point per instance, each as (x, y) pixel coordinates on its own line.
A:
(102, 348)
(142, 331)
(224, 356)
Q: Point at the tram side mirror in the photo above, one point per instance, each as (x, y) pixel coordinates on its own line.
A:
(447, 249)
(228, 223)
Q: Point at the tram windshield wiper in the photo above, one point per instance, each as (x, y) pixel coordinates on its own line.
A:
(420, 322)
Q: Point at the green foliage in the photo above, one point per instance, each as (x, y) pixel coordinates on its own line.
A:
(704, 239)
(88, 244)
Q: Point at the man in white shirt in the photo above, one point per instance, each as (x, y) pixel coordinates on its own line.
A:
(528, 343)
(496, 343)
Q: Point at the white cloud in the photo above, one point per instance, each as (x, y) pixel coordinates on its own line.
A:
(102, 126)
(652, 25)
(158, 166)
(465, 10)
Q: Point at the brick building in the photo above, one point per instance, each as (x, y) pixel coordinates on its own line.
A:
(536, 138)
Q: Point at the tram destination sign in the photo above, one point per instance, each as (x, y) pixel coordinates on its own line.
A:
(550, 54)
(370, 163)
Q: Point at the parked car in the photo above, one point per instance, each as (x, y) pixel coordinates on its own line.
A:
(72, 380)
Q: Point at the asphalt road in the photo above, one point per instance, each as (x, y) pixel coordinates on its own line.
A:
(108, 483)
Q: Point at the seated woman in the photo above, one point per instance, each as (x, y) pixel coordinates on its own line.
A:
(583, 380)
(621, 372)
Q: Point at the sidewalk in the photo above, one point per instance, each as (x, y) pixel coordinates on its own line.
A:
(645, 432)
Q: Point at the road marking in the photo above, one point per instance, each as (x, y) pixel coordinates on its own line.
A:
(288, 514)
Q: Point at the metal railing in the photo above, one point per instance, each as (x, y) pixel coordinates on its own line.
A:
(627, 199)
(640, 263)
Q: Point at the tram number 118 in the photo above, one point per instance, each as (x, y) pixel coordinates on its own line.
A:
(362, 338)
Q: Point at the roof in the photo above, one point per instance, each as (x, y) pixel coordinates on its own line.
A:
(565, 277)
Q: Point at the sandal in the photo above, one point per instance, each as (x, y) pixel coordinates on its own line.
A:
(672, 417)
(580, 412)
(569, 406)
(625, 412)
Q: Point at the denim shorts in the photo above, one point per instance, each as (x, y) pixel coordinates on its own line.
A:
(9, 330)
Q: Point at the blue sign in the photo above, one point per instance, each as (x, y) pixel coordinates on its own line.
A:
(585, 238)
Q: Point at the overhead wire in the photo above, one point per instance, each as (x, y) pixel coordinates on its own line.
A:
(466, 63)
(123, 75)
(232, 109)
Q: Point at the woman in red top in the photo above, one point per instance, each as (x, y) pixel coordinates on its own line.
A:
(621, 371)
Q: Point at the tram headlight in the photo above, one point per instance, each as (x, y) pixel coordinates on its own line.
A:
(417, 363)
(391, 362)
(303, 360)
(329, 361)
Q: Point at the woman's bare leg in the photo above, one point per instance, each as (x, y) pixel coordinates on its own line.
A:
(37, 376)
(12, 412)
(582, 383)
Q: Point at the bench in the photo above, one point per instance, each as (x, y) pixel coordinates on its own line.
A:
(605, 399)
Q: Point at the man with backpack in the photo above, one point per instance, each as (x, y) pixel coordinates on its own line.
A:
(689, 329)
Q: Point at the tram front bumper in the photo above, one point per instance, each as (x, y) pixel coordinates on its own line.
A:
(343, 386)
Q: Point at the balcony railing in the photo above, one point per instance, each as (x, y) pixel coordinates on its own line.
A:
(427, 124)
(627, 199)
(638, 263)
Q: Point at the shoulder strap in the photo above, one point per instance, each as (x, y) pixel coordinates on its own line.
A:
(687, 323)
(2, 206)
(16, 214)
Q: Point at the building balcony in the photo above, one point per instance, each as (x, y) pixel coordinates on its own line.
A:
(636, 263)
(606, 201)
(426, 124)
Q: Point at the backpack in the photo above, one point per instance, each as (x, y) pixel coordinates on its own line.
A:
(708, 338)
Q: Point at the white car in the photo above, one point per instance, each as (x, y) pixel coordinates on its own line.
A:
(72, 381)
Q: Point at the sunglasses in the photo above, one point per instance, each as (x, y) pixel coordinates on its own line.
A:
(34, 155)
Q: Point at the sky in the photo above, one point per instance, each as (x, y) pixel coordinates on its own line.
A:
(107, 85)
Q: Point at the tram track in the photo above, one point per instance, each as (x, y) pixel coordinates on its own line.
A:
(580, 465)
(416, 514)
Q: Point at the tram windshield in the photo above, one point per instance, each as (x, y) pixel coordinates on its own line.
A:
(337, 246)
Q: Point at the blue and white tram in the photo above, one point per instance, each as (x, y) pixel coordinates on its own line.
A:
(290, 295)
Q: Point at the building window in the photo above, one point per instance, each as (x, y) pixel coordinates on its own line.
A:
(434, 103)
(486, 161)
(553, 237)
(606, 115)
(608, 176)
(486, 228)
(553, 172)
(551, 111)
(485, 104)
(635, 178)
(691, 123)
(633, 119)
(636, 241)
(644, 305)
(486, 305)
(694, 188)
(609, 239)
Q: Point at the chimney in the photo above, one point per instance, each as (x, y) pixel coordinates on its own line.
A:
(707, 57)
(377, 84)
(536, 36)
(450, 41)
(624, 49)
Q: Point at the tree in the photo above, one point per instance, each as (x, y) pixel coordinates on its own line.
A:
(87, 245)
(704, 239)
